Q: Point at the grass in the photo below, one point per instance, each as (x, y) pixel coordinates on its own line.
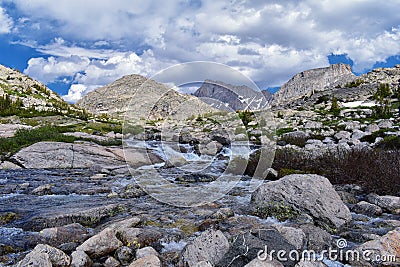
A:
(24, 138)
(281, 131)
(27, 137)
(371, 137)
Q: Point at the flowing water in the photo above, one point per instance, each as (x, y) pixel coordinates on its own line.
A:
(70, 193)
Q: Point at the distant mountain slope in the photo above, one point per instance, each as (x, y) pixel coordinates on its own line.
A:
(361, 88)
(142, 97)
(25, 94)
(231, 97)
(308, 82)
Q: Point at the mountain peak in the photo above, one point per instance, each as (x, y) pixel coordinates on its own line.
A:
(310, 81)
(143, 97)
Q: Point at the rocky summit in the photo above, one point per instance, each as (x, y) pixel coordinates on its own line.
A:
(308, 82)
(232, 97)
(142, 98)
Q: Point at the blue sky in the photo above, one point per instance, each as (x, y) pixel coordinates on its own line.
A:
(77, 46)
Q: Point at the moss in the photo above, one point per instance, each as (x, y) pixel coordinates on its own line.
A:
(186, 226)
(281, 131)
(152, 223)
(117, 210)
(283, 172)
(134, 244)
(7, 217)
(133, 129)
(279, 210)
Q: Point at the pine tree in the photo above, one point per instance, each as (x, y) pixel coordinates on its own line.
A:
(335, 106)
(382, 96)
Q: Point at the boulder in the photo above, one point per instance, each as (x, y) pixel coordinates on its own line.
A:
(246, 247)
(352, 125)
(42, 190)
(210, 149)
(45, 255)
(317, 239)
(371, 128)
(210, 246)
(80, 259)
(8, 130)
(342, 135)
(366, 208)
(294, 236)
(111, 262)
(384, 247)
(357, 134)
(7, 165)
(87, 217)
(49, 155)
(385, 124)
(221, 136)
(146, 251)
(302, 193)
(147, 261)
(388, 203)
(35, 259)
(313, 125)
(64, 234)
(139, 237)
(306, 263)
(101, 244)
(264, 263)
(124, 254)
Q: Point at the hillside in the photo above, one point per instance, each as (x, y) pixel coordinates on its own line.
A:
(23, 96)
(143, 98)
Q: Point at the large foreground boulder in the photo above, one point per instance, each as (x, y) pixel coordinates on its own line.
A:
(210, 246)
(101, 244)
(50, 155)
(45, 255)
(300, 194)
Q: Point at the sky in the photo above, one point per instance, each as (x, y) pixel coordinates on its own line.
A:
(76, 46)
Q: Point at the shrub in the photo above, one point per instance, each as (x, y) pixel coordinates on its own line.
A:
(377, 170)
(246, 116)
(322, 99)
(382, 96)
(335, 106)
(355, 83)
(297, 140)
(390, 142)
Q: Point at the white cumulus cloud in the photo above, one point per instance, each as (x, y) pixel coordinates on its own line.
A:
(97, 41)
(6, 22)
